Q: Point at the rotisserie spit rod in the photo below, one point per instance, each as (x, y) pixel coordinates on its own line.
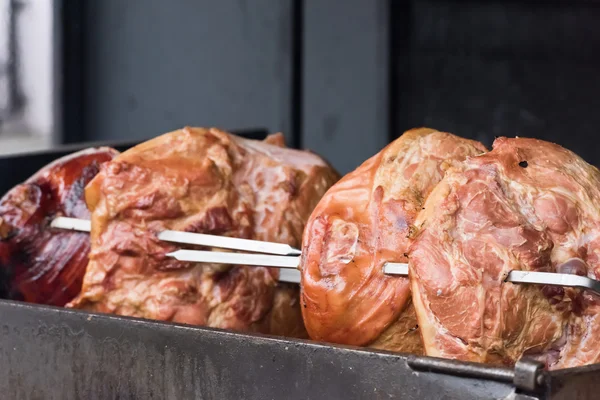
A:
(287, 258)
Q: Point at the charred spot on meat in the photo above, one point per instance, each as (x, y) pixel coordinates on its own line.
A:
(40, 265)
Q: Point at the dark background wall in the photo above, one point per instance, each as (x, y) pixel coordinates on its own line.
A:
(151, 66)
(340, 78)
(494, 68)
(312, 69)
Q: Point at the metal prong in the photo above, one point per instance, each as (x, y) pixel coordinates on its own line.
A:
(554, 279)
(73, 224)
(392, 268)
(261, 260)
(283, 260)
(289, 275)
(200, 239)
(288, 272)
(224, 242)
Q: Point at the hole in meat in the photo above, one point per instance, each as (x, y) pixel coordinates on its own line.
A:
(523, 164)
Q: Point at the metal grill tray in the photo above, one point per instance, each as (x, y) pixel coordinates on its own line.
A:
(55, 353)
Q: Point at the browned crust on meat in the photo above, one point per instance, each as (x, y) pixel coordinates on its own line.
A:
(207, 181)
(526, 205)
(363, 221)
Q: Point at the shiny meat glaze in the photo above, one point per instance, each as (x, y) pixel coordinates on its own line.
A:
(206, 181)
(362, 222)
(526, 205)
(43, 265)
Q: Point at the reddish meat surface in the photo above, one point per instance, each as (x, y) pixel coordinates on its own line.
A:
(43, 265)
(362, 222)
(207, 181)
(526, 205)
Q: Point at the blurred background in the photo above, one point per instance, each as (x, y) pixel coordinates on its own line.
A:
(341, 78)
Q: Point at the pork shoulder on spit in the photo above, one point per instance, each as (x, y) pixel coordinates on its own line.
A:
(205, 181)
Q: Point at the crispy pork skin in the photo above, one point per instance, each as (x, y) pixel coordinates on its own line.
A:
(526, 205)
(362, 222)
(39, 264)
(206, 181)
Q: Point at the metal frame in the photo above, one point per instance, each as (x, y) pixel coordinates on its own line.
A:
(57, 353)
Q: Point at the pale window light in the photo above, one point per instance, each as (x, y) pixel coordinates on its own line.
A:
(28, 90)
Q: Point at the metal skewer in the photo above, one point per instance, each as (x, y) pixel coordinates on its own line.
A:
(285, 254)
(554, 279)
(260, 260)
(288, 260)
(200, 239)
(389, 268)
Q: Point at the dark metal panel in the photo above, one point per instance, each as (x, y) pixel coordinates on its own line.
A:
(71, 35)
(578, 383)
(53, 353)
(153, 66)
(345, 91)
(497, 68)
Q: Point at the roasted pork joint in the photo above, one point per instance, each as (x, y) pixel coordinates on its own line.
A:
(43, 265)
(205, 181)
(363, 221)
(526, 205)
